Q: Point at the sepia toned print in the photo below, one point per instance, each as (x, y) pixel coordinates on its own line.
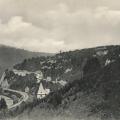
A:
(59, 60)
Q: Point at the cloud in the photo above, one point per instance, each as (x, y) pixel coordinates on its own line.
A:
(19, 33)
(53, 26)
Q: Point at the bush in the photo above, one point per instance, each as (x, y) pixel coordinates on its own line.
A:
(3, 104)
(92, 65)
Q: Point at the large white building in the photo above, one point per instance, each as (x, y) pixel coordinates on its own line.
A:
(42, 92)
(21, 72)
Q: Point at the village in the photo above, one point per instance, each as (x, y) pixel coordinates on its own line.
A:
(12, 100)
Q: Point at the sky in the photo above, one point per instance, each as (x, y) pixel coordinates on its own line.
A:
(54, 25)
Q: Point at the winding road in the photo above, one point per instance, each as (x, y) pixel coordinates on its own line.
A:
(23, 94)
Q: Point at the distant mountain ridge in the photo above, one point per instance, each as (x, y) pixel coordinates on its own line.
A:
(10, 56)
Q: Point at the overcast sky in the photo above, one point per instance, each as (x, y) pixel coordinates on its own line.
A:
(54, 25)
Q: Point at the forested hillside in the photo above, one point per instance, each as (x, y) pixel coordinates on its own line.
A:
(95, 96)
(91, 80)
(10, 56)
(69, 65)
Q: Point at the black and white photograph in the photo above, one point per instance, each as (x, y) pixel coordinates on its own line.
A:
(59, 60)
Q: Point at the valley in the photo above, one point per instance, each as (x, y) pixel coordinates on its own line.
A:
(75, 84)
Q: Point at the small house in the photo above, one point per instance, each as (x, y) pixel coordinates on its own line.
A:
(27, 90)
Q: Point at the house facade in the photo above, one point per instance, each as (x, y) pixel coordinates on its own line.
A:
(27, 90)
(42, 92)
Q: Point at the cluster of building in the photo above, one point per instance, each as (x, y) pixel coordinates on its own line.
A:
(42, 91)
(25, 72)
(21, 72)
